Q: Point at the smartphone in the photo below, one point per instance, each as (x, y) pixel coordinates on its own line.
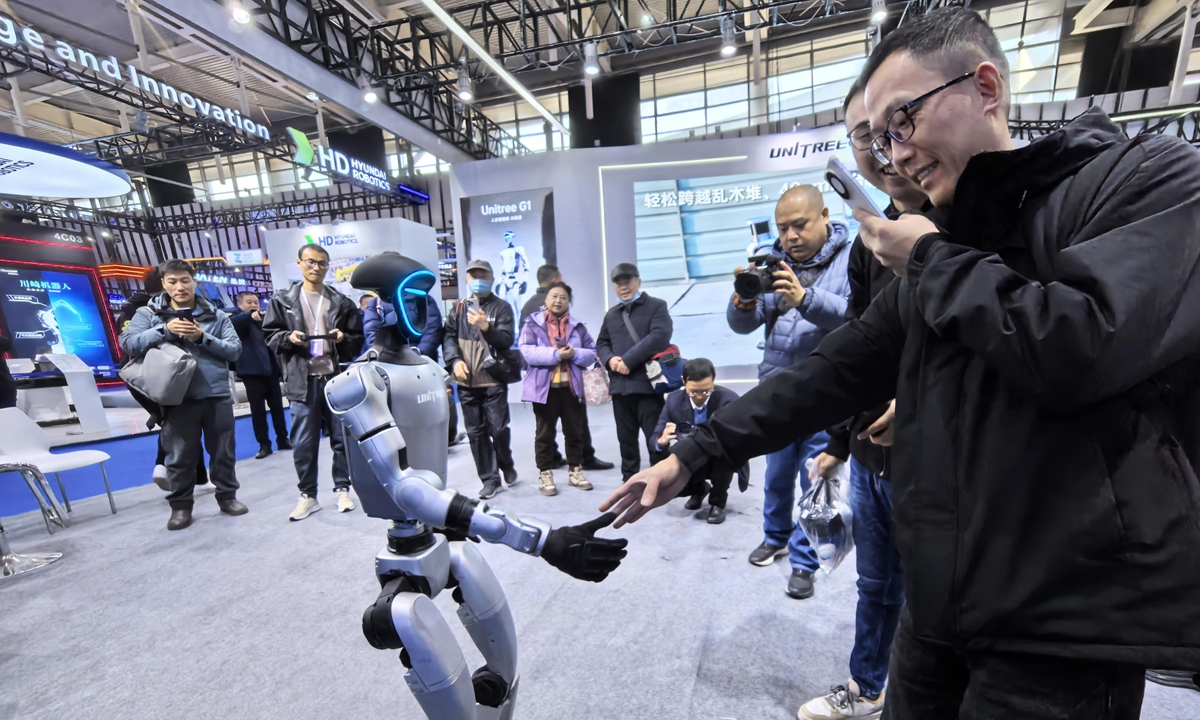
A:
(850, 189)
(473, 304)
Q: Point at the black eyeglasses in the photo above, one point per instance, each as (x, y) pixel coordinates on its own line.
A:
(900, 125)
(861, 138)
(699, 394)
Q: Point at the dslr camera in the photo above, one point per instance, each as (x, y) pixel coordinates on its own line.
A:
(758, 278)
(684, 429)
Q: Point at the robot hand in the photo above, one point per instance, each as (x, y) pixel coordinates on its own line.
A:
(576, 551)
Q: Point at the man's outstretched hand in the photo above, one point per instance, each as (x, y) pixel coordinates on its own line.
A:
(647, 490)
(576, 551)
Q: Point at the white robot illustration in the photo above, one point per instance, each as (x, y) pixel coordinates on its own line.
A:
(392, 404)
(514, 272)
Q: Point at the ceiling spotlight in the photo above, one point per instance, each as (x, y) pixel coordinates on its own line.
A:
(466, 88)
(313, 97)
(241, 15)
(728, 37)
(207, 235)
(591, 65)
(262, 227)
(647, 18)
(879, 12)
(370, 97)
(105, 233)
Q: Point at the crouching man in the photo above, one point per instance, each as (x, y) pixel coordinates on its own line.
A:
(179, 317)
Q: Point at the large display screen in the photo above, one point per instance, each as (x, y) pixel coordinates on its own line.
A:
(515, 233)
(693, 233)
(54, 310)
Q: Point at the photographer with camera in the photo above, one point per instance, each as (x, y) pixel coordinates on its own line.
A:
(687, 408)
(800, 293)
(478, 352)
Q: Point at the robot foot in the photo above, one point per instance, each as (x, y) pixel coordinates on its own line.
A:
(501, 711)
(490, 688)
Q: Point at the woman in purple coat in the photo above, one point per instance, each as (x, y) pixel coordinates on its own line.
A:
(557, 348)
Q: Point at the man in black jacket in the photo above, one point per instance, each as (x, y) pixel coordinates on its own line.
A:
(689, 406)
(478, 352)
(866, 439)
(258, 369)
(314, 329)
(1041, 346)
(625, 353)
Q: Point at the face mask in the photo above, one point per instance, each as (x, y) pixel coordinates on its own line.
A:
(632, 299)
(479, 286)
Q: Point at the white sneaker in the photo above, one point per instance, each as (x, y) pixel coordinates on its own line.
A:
(307, 506)
(843, 701)
(160, 477)
(345, 504)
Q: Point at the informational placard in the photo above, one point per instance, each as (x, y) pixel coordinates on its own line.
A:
(53, 311)
(241, 258)
(84, 395)
(513, 231)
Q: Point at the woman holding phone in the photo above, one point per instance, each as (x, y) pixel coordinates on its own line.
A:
(557, 348)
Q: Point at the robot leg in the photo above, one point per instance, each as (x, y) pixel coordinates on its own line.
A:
(484, 612)
(437, 671)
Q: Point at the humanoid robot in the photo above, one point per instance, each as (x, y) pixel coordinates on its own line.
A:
(391, 403)
(514, 272)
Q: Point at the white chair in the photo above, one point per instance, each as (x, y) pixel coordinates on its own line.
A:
(22, 440)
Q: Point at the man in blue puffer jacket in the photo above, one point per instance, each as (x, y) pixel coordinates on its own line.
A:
(811, 293)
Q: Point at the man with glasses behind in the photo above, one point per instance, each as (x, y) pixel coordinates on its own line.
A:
(1042, 348)
(313, 328)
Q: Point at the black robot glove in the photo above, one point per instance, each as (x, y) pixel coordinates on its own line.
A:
(576, 551)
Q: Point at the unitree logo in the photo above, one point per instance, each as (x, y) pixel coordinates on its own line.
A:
(336, 162)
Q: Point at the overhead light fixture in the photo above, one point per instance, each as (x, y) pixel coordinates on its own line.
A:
(879, 12)
(466, 88)
(207, 235)
(591, 65)
(262, 227)
(647, 18)
(105, 234)
(313, 97)
(370, 97)
(490, 61)
(728, 37)
(241, 15)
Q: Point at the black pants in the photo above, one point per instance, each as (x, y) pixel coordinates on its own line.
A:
(182, 429)
(933, 681)
(309, 418)
(263, 393)
(453, 415)
(635, 413)
(589, 451)
(561, 404)
(201, 471)
(485, 413)
(718, 495)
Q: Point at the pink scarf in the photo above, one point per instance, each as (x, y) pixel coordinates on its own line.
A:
(556, 327)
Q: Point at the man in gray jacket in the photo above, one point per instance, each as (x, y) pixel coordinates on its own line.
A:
(178, 316)
(811, 291)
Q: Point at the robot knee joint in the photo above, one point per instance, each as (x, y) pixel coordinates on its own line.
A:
(377, 624)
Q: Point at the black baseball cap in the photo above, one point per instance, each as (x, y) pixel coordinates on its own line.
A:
(624, 270)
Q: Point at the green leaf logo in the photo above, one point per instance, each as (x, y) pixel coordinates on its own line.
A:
(304, 149)
(310, 240)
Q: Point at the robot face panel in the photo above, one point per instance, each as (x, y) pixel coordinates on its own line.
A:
(410, 303)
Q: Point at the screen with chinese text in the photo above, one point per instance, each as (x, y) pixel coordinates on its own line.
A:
(56, 310)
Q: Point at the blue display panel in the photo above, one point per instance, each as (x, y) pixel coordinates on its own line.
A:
(55, 310)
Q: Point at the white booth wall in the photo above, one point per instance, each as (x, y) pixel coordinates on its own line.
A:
(599, 214)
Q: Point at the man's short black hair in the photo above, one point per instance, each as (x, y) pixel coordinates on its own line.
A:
(698, 369)
(175, 267)
(857, 87)
(312, 246)
(238, 298)
(559, 284)
(546, 274)
(951, 40)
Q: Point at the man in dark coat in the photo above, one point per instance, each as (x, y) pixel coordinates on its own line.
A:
(258, 369)
(636, 406)
(689, 406)
(1042, 348)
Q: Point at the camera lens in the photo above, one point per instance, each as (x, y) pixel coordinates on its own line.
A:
(748, 285)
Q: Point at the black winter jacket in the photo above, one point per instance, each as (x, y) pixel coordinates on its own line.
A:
(284, 315)
(652, 321)
(463, 341)
(867, 277)
(1043, 356)
(256, 360)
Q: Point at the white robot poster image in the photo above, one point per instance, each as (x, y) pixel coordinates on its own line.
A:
(390, 404)
(514, 232)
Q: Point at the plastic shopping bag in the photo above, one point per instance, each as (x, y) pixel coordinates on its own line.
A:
(826, 517)
(595, 386)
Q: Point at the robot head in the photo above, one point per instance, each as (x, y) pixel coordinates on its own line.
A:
(402, 281)
(509, 237)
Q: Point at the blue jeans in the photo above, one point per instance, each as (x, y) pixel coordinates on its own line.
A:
(880, 579)
(779, 499)
(309, 418)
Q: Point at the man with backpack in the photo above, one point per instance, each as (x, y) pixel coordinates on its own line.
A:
(636, 329)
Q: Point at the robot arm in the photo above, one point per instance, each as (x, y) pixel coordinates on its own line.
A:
(358, 398)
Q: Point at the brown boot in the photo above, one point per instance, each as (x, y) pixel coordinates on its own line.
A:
(180, 518)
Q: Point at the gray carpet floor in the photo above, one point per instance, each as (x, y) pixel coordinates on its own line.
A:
(256, 617)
